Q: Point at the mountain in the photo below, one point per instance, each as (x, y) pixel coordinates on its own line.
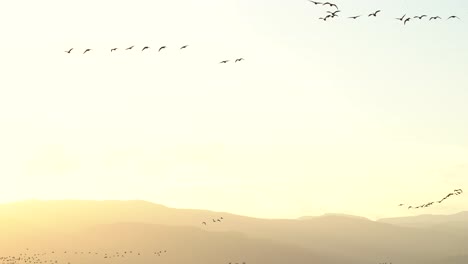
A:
(183, 245)
(325, 238)
(426, 220)
(331, 214)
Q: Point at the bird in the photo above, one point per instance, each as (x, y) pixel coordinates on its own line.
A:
(86, 51)
(325, 18)
(420, 17)
(240, 59)
(435, 18)
(316, 3)
(401, 18)
(333, 13)
(375, 13)
(68, 51)
(330, 4)
(129, 48)
(146, 47)
(453, 17)
(184, 47)
(400, 204)
(224, 61)
(161, 48)
(407, 20)
(354, 17)
(114, 49)
(204, 223)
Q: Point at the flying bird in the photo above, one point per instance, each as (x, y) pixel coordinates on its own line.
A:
(86, 51)
(325, 18)
(146, 47)
(161, 48)
(375, 13)
(407, 20)
(333, 13)
(453, 17)
(401, 18)
(330, 4)
(420, 17)
(184, 47)
(240, 59)
(316, 3)
(224, 61)
(354, 17)
(114, 49)
(435, 18)
(204, 223)
(68, 51)
(129, 48)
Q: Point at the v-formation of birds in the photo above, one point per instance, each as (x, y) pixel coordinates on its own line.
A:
(112, 50)
(455, 192)
(404, 19)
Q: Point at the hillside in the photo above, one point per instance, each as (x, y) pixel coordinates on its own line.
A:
(325, 237)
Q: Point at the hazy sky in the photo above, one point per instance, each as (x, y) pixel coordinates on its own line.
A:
(340, 116)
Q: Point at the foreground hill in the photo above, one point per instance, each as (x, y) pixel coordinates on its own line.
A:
(107, 244)
(318, 238)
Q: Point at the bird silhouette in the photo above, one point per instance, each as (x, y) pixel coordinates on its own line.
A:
(184, 47)
(333, 13)
(68, 51)
(129, 48)
(316, 3)
(401, 18)
(161, 48)
(354, 17)
(375, 13)
(114, 49)
(421, 17)
(453, 17)
(325, 18)
(330, 4)
(407, 20)
(145, 48)
(435, 18)
(87, 50)
(240, 59)
(224, 61)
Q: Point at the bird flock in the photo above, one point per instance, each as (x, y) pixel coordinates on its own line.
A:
(214, 221)
(53, 257)
(455, 192)
(404, 19)
(146, 48)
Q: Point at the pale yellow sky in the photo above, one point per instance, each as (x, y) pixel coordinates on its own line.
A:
(343, 117)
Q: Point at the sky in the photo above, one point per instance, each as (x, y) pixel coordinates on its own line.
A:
(344, 116)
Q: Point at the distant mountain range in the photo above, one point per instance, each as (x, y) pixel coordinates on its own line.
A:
(328, 239)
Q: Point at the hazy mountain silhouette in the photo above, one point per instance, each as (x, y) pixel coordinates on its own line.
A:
(333, 214)
(426, 220)
(331, 238)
